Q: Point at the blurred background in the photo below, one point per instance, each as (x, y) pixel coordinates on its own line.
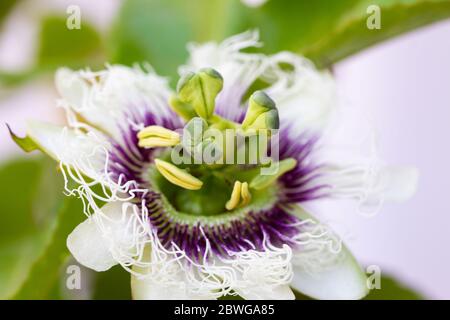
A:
(399, 76)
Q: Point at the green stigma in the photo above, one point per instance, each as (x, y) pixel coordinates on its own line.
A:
(200, 90)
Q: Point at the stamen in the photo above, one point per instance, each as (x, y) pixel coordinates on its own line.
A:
(156, 136)
(240, 196)
(235, 196)
(245, 194)
(178, 176)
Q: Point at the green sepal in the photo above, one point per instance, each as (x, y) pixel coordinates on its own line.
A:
(26, 143)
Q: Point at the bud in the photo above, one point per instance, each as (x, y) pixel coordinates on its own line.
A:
(261, 114)
(200, 90)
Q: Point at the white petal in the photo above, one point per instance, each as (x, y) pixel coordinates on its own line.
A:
(303, 94)
(354, 169)
(84, 152)
(262, 274)
(87, 245)
(151, 282)
(281, 292)
(401, 183)
(71, 87)
(109, 97)
(148, 289)
(96, 247)
(46, 135)
(326, 269)
(344, 280)
(370, 184)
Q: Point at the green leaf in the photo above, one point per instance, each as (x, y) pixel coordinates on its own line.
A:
(231, 297)
(45, 271)
(60, 46)
(113, 284)
(21, 235)
(157, 31)
(151, 31)
(392, 289)
(11, 79)
(300, 296)
(35, 219)
(325, 31)
(5, 7)
(328, 31)
(397, 16)
(20, 181)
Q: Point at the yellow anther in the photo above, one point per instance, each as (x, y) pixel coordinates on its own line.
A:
(235, 197)
(245, 194)
(240, 196)
(178, 176)
(156, 136)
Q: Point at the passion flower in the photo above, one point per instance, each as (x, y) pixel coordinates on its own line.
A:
(190, 228)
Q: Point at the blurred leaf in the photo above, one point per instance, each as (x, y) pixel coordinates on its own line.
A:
(151, 31)
(5, 7)
(11, 79)
(45, 271)
(20, 182)
(35, 219)
(113, 284)
(325, 31)
(328, 31)
(231, 297)
(392, 289)
(158, 31)
(21, 235)
(300, 296)
(16, 257)
(60, 46)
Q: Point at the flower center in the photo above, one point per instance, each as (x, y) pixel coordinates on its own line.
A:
(218, 186)
(214, 166)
